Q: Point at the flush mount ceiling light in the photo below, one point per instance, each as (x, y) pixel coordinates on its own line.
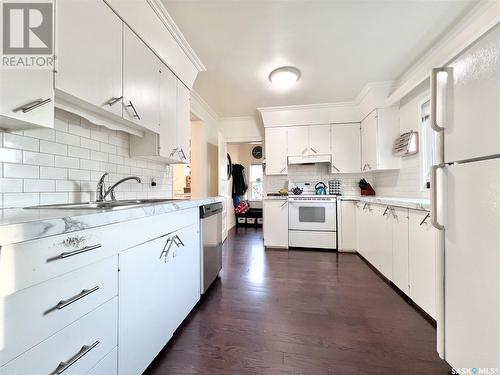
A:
(284, 77)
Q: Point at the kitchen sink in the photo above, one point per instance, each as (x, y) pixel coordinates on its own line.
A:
(102, 205)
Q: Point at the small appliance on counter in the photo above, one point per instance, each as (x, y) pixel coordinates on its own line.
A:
(366, 188)
(320, 188)
(296, 190)
(334, 187)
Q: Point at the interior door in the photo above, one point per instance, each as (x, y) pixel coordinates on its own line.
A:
(141, 82)
(298, 140)
(319, 140)
(472, 127)
(472, 259)
(89, 61)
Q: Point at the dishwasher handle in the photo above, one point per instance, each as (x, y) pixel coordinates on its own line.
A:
(210, 210)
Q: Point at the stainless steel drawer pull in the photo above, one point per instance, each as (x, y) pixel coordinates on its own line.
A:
(173, 152)
(166, 249)
(75, 252)
(183, 156)
(385, 212)
(111, 102)
(313, 150)
(32, 105)
(364, 206)
(304, 151)
(63, 366)
(66, 302)
(425, 219)
(135, 115)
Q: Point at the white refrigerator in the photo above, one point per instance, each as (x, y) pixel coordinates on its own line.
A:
(465, 200)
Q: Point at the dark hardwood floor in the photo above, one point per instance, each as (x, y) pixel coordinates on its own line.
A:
(299, 312)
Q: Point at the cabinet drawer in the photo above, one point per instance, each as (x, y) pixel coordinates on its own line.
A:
(33, 314)
(106, 366)
(135, 232)
(29, 263)
(78, 347)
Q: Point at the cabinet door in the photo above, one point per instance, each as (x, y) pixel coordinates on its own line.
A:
(37, 101)
(276, 151)
(348, 225)
(185, 273)
(382, 240)
(364, 216)
(422, 253)
(369, 142)
(183, 122)
(346, 148)
(275, 229)
(319, 140)
(297, 140)
(89, 61)
(146, 317)
(400, 249)
(141, 82)
(168, 114)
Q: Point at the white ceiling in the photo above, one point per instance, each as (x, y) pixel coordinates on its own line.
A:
(339, 46)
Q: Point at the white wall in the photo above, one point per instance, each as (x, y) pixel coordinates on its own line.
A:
(61, 165)
(407, 181)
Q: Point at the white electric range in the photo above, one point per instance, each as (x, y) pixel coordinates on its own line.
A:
(312, 219)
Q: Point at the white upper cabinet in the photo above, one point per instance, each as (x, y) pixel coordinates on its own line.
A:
(141, 83)
(379, 130)
(319, 139)
(346, 148)
(276, 151)
(308, 140)
(298, 140)
(183, 123)
(168, 114)
(89, 60)
(26, 98)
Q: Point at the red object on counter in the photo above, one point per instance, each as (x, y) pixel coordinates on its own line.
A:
(368, 190)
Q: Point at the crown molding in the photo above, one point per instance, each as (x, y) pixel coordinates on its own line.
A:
(199, 105)
(302, 107)
(370, 86)
(176, 33)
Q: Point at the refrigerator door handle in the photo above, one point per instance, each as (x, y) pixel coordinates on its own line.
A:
(434, 220)
(434, 73)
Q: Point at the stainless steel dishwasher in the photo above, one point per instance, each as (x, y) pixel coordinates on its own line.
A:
(211, 243)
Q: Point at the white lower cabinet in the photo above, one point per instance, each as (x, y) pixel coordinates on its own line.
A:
(422, 261)
(347, 225)
(275, 213)
(75, 349)
(400, 248)
(159, 284)
(106, 366)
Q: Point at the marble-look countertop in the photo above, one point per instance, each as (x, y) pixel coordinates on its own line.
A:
(18, 224)
(413, 203)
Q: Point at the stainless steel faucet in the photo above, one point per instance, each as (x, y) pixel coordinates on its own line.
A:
(102, 193)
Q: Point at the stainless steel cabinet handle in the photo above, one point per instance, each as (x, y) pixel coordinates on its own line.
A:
(369, 166)
(178, 241)
(364, 206)
(364, 167)
(63, 366)
(425, 219)
(434, 220)
(131, 105)
(334, 167)
(304, 151)
(434, 73)
(166, 248)
(283, 169)
(284, 204)
(313, 150)
(66, 302)
(173, 151)
(113, 101)
(75, 252)
(183, 156)
(393, 212)
(386, 209)
(32, 105)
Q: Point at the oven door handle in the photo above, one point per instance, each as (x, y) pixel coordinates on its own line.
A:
(295, 203)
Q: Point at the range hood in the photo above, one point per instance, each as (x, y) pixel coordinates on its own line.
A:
(309, 159)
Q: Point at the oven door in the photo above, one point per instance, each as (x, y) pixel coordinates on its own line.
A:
(320, 216)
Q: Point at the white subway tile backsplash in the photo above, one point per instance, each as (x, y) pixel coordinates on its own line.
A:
(21, 171)
(78, 152)
(67, 162)
(53, 148)
(10, 156)
(39, 185)
(38, 158)
(20, 142)
(53, 173)
(48, 166)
